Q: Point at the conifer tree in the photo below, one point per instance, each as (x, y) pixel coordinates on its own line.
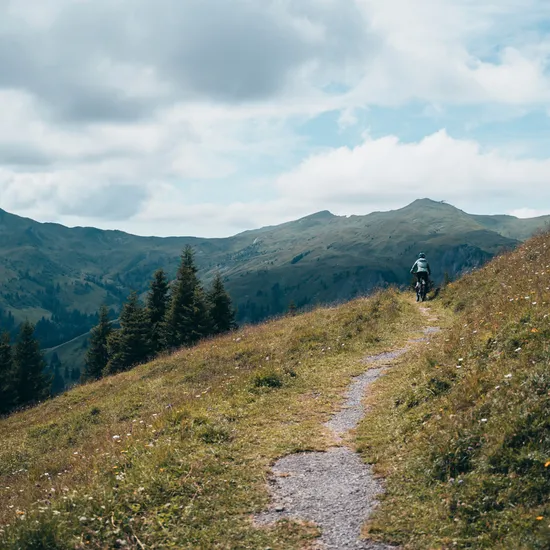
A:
(157, 307)
(184, 303)
(201, 326)
(221, 309)
(292, 308)
(58, 384)
(97, 355)
(130, 345)
(7, 389)
(116, 361)
(31, 383)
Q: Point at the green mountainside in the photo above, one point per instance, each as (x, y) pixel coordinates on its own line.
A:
(59, 276)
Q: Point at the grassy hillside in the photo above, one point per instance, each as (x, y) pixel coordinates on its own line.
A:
(462, 431)
(176, 453)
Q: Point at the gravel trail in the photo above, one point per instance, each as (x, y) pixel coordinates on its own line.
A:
(334, 489)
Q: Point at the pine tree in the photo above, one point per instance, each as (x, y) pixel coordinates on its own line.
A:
(116, 361)
(31, 384)
(58, 384)
(181, 318)
(131, 345)
(221, 309)
(97, 355)
(292, 308)
(201, 319)
(7, 389)
(157, 307)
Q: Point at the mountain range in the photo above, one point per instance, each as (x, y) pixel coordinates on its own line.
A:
(62, 275)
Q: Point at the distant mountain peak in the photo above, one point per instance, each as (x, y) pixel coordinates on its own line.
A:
(323, 215)
(430, 202)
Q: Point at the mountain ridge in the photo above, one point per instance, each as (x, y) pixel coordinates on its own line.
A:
(49, 271)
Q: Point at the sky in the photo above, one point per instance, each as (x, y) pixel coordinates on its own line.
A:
(210, 117)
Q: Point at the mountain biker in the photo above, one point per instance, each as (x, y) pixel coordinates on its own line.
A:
(421, 269)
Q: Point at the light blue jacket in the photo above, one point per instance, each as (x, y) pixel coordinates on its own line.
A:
(421, 266)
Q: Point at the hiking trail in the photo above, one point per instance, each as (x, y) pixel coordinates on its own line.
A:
(335, 489)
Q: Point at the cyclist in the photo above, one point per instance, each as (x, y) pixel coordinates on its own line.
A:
(421, 269)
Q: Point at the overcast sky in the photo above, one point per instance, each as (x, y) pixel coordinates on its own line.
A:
(208, 117)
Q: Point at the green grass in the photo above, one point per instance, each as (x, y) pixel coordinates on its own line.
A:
(462, 430)
(176, 453)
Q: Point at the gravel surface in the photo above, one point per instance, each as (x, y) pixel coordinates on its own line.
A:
(353, 410)
(335, 489)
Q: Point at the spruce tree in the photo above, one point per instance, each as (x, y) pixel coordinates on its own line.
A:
(7, 389)
(201, 326)
(97, 355)
(181, 318)
(58, 384)
(221, 309)
(157, 307)
(130, 346)
(292, 308)
(31, 383)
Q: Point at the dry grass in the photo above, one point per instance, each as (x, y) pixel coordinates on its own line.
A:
(462, 430)
(176, 453)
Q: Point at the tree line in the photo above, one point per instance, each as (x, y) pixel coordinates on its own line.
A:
(176, 315)
(23, 380)
(173, 316)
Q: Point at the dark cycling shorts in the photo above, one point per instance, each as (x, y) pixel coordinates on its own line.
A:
(422, 275)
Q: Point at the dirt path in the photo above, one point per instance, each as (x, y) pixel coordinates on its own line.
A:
(335, 489)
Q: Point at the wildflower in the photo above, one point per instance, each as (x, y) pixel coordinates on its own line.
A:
(534, 330)
(547, 464)
(540, 518)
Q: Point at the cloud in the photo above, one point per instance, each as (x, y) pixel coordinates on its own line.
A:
(529, 212)
(122, 60)
(151, 115)
(387, 171)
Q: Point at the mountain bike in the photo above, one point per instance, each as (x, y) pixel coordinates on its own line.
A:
(421, 290)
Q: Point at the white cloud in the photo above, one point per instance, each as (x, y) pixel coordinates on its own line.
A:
(386, 171)
(93, 107)
(529, 212)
